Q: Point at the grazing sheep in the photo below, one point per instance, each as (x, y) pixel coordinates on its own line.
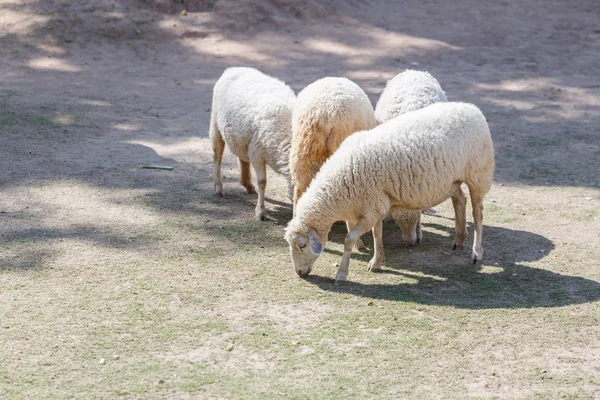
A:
(408, 91)
(411, 162)
(327, 111)
(251, 113)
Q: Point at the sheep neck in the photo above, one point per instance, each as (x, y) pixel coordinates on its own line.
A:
(318, 214)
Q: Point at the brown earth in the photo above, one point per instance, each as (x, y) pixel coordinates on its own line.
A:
(91, 90)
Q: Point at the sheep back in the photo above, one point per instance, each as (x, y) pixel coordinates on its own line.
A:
(253, 114)
(408, 91)
(411, 162)
(327, 111)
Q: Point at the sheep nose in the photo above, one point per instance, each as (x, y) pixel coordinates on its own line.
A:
(411, 240)
(301, 272)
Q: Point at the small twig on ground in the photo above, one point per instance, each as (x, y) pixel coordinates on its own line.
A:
(149, 166)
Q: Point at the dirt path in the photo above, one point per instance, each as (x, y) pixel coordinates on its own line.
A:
(90, 90)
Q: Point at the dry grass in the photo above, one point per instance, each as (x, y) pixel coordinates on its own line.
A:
(117, 281)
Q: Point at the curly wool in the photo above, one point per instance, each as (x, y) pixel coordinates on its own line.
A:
(411, 162)
(408, 91)
(326, 112)
(253, 114)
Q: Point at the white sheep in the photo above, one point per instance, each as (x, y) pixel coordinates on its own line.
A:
(412, 162)
(251, 113)
(326, 112)
(409, 91)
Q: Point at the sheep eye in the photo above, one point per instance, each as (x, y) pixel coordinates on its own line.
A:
(301, 247)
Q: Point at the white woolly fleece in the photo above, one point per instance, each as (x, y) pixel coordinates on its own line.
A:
(327, 111)
(408, 91)
(411, 162)
(253, 113)
(333, 101)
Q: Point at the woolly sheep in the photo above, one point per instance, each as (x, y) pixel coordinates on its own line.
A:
(411, 162)
(326, 112)
(251, 113)
(408, 91)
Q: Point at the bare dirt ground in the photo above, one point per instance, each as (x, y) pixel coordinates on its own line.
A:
(122, 281)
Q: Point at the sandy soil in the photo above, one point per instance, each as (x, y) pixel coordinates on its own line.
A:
(90, 90)
(140, 71)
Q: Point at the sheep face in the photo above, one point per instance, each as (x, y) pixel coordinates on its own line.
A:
(305, 248)
(409, 223)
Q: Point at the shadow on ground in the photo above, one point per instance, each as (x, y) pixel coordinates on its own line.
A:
(433, 274)
(541, 105)
(153, 83)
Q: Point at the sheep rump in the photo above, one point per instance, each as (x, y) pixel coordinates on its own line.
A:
(251, 113)
(326, 112)
(408, 91)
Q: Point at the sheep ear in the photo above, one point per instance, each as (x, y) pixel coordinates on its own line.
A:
(315, 244)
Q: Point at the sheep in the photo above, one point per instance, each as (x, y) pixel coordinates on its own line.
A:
(412, 162)
(408, 91)
(251, 113)
(326, 112)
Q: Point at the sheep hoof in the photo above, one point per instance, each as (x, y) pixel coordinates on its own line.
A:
(476, 257)
(250, 190)
(375, 266)
(340, 277)
(457, 247)
(260, 216)
(219, 194)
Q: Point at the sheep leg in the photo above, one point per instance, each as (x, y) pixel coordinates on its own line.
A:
(377, 261)
(357, 231)
(419, 230)
(459, 201)
(359, 244)
(261, 177)
(246, 176)
(477, 203)
(218, 146)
